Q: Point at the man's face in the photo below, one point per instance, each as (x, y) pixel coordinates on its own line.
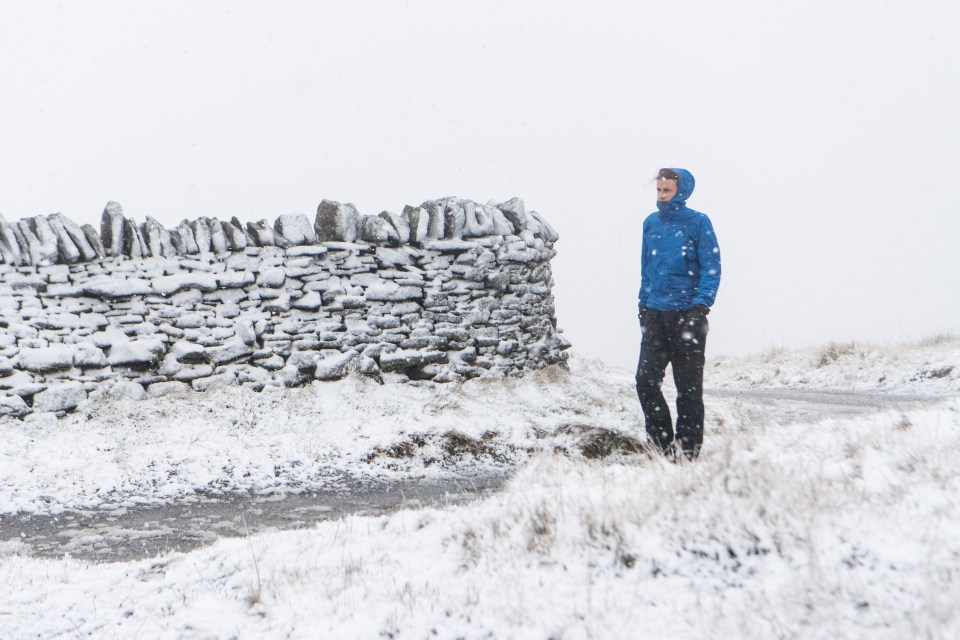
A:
(666, 189)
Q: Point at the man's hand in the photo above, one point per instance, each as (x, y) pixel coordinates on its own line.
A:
(696, 318)
(697, 313)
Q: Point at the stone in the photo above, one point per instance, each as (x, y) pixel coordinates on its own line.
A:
(399, 224)
(109, 288)
(141, 352)
(160, 389)
(295, 228)
(547, 232)
(222, 379)
(261, 234)
(336, 222)
(45, 360)
(303, 360)
(436, 227)
(201, 234)
(87, 354)
(150, 232)
(29, 243)
(127, 390)
(308, 250)
(334, 367)
(67, 250)
(184, 239)
(112, 229)
(477, 221)
(271, 277)
(405, 358)
(271, 363)
(454, 220)
(418, 220)
(501, 225)
(231, 351)
(310, 301)
(218, 239)
(9, 247)
(376, 230)
(48, 240)
(516, 212)
(133, 243)
(59, 397)
(13, 405)
(169, 285)
(236, 238)
(93, 239)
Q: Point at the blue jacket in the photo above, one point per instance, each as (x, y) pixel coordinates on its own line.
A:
(680, 266)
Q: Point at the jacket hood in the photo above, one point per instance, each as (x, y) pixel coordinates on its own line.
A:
(684, 189)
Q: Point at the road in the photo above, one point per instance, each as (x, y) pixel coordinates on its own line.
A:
(119, 534)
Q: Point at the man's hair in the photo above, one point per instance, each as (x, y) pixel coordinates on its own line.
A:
(668, 174)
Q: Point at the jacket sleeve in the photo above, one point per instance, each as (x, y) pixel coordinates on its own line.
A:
(708, 254)
(644, 277)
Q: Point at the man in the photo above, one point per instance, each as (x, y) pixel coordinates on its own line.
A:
(679, 277)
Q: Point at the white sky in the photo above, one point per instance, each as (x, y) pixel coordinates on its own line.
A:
(824, 136)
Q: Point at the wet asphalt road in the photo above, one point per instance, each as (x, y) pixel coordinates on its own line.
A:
(119, 534)
(808, 405)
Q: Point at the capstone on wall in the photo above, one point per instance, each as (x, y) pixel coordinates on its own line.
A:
(449, 290)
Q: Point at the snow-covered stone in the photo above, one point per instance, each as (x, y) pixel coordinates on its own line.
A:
(144, 351)
(271, 277)
(107, 287)
(168, 285)
(376, 230)
(336, 222)
(127, 390)
(46, 359)
(295, 228)
(230, 352)
(334, 366)
(59, 397)
(158, 389)
(87, 354)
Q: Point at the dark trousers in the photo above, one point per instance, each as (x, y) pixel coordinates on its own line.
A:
(670, 337)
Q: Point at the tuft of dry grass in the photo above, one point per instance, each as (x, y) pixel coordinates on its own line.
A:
(834, 351)
(938, 339)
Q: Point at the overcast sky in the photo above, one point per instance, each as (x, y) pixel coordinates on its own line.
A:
(824, 136)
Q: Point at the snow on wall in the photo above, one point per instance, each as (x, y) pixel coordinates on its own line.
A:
(449, 290)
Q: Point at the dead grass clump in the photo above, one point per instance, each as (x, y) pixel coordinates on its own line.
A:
(402, 449)
(598, 442)
(937, 372)
(457, 443)
(833, 352)
(938, 339)
(542, 530)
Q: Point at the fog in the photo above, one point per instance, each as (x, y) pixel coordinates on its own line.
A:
(823, 136)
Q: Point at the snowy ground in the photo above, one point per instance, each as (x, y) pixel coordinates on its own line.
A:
(840, 526)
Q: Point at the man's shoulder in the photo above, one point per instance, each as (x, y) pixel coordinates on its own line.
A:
(698, 217)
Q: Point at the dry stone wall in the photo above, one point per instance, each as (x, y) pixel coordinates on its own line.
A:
(449, 290)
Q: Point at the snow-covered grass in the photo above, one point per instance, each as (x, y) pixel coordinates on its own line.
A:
(836, 528)
(930, 366)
